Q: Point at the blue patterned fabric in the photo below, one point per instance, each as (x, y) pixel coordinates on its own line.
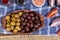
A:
(46, 30)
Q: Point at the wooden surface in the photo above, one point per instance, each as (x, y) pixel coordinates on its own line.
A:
(29, 37)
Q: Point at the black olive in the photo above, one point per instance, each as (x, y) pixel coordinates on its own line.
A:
(22, 31)
(22, 19)
(29, 21)
(36, 17)
(33, 29)
(32, 18)
(31, 14)
(26, 20)
(27, 29)
(35, 26)
(28, 24)
(31, 25)
(29, 17)
(38, 24)
(22, 27)
(24, 15)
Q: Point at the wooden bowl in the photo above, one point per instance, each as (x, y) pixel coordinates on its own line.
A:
(4, 20)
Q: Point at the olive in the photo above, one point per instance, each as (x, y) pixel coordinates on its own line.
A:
(13, 19)
(20, 13)
(26, 20)
(24, 15)
(18, 28)
(13, 14)
(22, 27)
(30, 21)
(7, 25)
(23, 23)
(17, 24)
(8, 21)
(36, 17)
(33, 29)
(8, 29)
(22, 31)
(32, 18)
(18, 20)
(12, 23)
(16, 16)
(31, 25)
(15, 30)
(37, 21)
(29, 17)
(38, 24)
(7, 17)
(31, 14)
(27, 29)
(12, 27)
(28, 24)
(22, 19)
(35, 26)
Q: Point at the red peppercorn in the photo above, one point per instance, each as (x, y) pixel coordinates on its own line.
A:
(4, 1)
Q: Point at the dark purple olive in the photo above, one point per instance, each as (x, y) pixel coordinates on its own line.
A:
(28, 24)
(30, 21)
(22, 31)
(32, 18)
(35, 26)
(36, 17)
(33, 29)
(29, 17)
(31, 14)
(36, 21)
(22, 19)
(22, 26)
(31, 25)
(24, 15)
(38, 24)
(26, 29)
(26, 20)
(23, 23)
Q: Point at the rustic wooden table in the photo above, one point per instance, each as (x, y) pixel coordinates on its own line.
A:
(29, 37)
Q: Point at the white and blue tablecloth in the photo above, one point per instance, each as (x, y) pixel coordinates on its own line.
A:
(46, 30)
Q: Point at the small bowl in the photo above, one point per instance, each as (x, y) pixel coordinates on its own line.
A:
(37, 5)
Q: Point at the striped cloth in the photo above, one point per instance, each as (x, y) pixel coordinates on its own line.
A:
(46, 30)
